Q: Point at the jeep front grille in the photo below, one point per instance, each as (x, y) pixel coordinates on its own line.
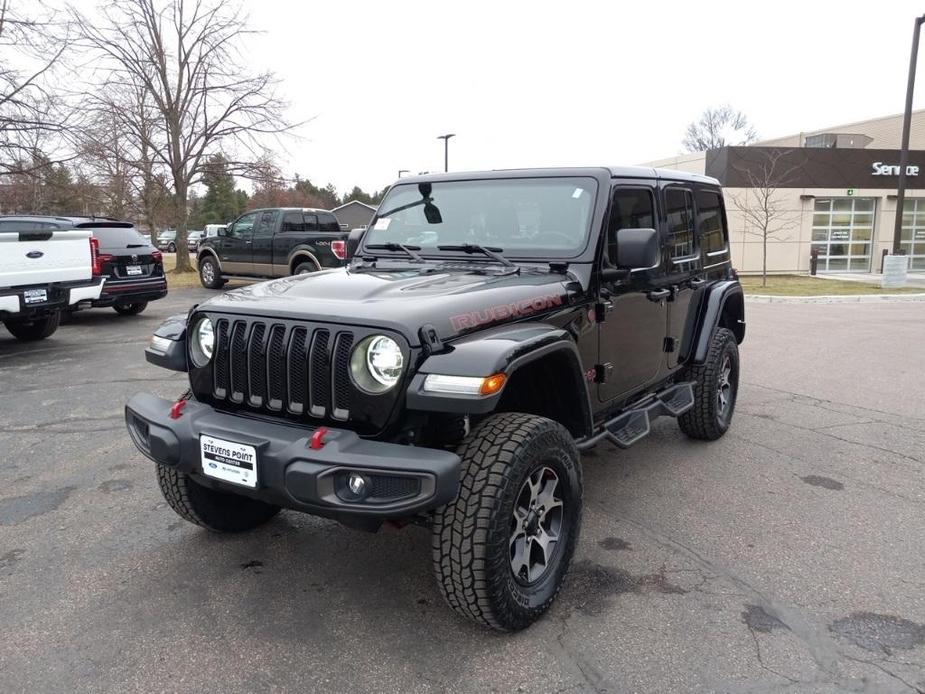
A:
(291, 368)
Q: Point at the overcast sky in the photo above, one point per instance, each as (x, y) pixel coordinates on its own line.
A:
(558, 83)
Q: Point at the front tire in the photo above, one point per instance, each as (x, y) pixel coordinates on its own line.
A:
(130, 309)
(502, 548)
(220, 512)
(715, 391)
(37, 329)
(209, 275)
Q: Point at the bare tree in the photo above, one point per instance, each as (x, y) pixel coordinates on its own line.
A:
(718, 127)
(182, 56)
(31, 114)
(763, 211)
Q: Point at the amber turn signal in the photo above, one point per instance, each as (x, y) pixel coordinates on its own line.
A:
(492, 384)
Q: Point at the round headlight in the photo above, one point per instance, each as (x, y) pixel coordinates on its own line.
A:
(376, 363)
(202, 342)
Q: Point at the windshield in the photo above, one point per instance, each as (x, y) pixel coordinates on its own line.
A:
(526, 217)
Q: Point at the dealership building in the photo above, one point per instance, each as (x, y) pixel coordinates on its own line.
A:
(831, 190)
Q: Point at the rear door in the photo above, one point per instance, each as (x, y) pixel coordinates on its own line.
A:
(262, 246)
(235, 250)
(632, 334)
(683, 266)
(297, 230)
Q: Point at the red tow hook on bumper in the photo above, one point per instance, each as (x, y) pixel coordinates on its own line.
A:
(317, 440)
(177, 409)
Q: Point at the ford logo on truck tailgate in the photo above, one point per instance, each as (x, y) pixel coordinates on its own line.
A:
(34, 254)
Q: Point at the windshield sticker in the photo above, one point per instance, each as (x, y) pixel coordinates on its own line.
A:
(382, 223)
(577, 193)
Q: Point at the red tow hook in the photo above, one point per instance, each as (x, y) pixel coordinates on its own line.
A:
(177, 409)
(317, 440)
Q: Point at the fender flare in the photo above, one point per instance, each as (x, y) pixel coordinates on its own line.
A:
(504, 349)
(209, 251)
(719, 299)
(302, 252)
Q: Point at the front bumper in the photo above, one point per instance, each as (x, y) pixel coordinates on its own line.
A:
(60, 295)
(127, 291)
(291, 474)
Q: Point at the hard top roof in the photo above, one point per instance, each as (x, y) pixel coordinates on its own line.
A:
(593, 171)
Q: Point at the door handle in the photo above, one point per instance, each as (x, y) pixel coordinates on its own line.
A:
(658, 294)
(248, 242)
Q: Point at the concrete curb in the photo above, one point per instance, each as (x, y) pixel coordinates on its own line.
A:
(834, 299)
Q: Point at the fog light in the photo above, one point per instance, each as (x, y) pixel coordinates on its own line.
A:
(356, 484)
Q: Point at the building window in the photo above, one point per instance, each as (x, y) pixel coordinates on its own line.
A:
(842, 233)
(912, 241)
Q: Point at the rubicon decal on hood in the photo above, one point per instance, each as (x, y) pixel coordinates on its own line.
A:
(517, 309)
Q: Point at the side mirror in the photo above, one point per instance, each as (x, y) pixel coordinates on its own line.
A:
(637, 249)
(432, 213)
(353, 241)
(221, 231)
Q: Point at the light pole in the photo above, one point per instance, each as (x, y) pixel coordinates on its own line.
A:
(904, 147)
(401, 171)
(446, 149)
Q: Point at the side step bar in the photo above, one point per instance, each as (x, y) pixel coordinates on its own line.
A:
(628, 427)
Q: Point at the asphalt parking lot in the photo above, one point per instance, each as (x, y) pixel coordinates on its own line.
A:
(789, 556)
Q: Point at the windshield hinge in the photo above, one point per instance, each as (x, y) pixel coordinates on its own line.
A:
(600, 310)
(430, 339)
(602, 371)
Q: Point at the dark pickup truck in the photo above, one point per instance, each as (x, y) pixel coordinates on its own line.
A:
(274, 242)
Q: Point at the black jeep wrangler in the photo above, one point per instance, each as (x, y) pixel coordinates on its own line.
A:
(488, 328)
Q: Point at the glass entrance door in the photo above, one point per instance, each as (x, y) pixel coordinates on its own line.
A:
(913, 233)
(842, 232)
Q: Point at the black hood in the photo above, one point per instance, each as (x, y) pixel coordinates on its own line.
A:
(453, 302)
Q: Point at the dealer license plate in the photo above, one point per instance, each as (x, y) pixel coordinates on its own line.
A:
(229, 461)
(35, 296)
(133, 269)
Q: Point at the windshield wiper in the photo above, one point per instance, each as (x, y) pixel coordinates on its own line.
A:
(392, 246)
(491, 252)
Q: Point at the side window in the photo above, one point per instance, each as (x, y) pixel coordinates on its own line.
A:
(632, 208)
(244, 227)
(679, 209)
(711, 224)
(328, 222)
(298, 221)
(267, 223)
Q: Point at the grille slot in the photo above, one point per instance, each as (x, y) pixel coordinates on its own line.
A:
(238, 358)
(220, 374)
(320, 381)
(341, 378)
(298, 375)
(276, 368)
(256, 360)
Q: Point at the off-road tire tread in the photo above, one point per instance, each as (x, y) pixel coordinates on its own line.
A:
(461, 529)
(700, 422)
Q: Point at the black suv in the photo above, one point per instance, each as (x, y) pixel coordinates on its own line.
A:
(489, 328)
(133, 268)
(272, 243)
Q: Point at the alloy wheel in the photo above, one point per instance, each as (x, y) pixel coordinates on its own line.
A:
(536, 525)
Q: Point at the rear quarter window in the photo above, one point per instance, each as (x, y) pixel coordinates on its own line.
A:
(711, 223)
(328, 222)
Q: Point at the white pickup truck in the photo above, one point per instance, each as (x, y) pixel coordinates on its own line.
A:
(43, 270)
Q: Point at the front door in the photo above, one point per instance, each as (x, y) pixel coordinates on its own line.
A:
(236, 245)
(631, 338)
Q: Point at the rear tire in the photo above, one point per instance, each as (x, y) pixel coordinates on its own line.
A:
(305, 268)
(171, 247)
(130, 309)
(220, 512)
(519, 505)
(715, 391)
(32, 330)
(209, 274)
